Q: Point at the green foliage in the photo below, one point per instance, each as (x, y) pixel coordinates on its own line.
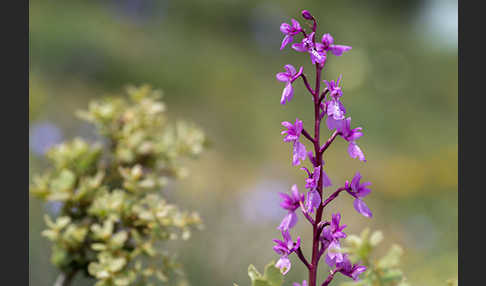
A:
(113, 216)
(271, 276)
(382, 271)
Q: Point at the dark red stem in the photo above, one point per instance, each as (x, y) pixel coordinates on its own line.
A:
(330, 277)
(328, 142)
(318, 156)
(304, 78)
(333, 196)
(307, 135)
(302, 257)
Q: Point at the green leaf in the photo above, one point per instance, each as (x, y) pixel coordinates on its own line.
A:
(253, 272)
(260, 282)
(272, 274)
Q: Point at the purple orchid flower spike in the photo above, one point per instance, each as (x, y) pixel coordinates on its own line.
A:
(290, 203)
(328, 42)
(289, 31)
(359, 191)
(327, 234)
(288, 77)
(346, 268)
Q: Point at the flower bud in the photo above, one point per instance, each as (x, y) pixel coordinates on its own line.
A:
(307, 15)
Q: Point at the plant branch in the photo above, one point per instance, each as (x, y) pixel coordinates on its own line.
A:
(307, 83)
(333, 196)
(328, 142)
(307, 216)
(330, 277)
(307, 135)
(302, 257)
(323, 95)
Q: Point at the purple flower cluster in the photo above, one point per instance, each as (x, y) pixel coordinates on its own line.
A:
(327, 234)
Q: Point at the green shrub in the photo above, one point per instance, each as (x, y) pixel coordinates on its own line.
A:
(113, 216)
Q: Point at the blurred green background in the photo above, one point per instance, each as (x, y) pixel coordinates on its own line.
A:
(216, 63)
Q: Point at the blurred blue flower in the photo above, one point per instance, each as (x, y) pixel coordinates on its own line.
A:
(54, 208)
(261, 203)
(42, 136)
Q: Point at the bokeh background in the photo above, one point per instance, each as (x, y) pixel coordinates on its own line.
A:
(216, 62)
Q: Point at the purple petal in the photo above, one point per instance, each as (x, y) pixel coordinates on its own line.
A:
(362, 208)
(313, 200)
(357, 271)
(355, 152)
(288, 222)
(295, 193)
(335, 109)
(363, 192)
(296, 25)
(284, 264)
(326, 182)
(297, 75)
(286, 124)
(333, 256)
(290, 70)
(299, 47)
(327, 40)
(334, 124)
(355, 181)
(336, 218)
(285, 28)
(287, 93)
(311, 157)
(317, 57)
(338, 50)
(283, 77)
(355, 135)
(299, 153)
(299, 125)
(286, 40)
